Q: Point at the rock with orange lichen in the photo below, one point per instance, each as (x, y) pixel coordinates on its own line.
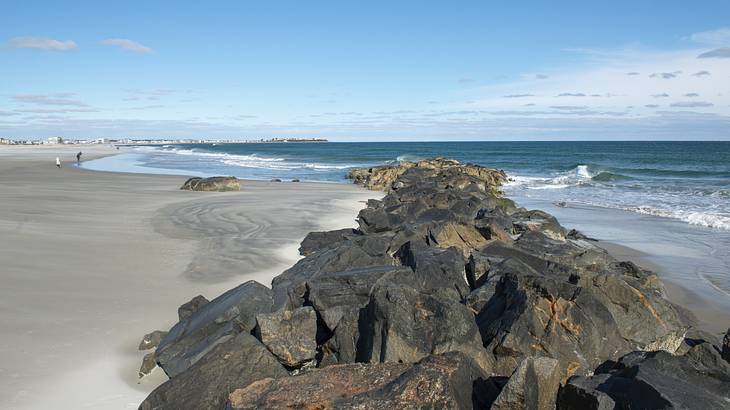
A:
(447, 381)
(289, 334)
(579, 313)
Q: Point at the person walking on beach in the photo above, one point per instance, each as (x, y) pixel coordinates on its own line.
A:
(58, 162)
(78, 157)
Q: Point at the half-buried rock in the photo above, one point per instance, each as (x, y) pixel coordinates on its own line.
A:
(289, 334)
(219, 184)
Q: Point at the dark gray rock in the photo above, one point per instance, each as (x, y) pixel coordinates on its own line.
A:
(726, 346)
(315, 241)
(434, 267)
(225, 316)
(698, 379)
(289, 334)
(151, 340)
(401, 324)
(219, 184)
(542, 309)
(332, 294)
(580, 393)
(207, 383)
(187, 309)
(479, 297)
(534, 385)
(341, 347)
(290, 287)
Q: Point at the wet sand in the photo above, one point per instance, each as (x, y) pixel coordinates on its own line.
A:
(91, 261)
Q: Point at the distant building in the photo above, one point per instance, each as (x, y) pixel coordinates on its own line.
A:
(55, 140)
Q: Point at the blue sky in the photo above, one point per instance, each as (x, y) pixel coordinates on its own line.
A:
(366, 70)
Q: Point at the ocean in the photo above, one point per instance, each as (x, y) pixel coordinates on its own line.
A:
(668, 200)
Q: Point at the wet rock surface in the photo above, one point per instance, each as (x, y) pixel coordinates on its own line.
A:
(219, 184)
(447, 295)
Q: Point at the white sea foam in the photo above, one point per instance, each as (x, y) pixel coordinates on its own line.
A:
(576, 176)
(706, 219)
(253, 160)
(699, 208)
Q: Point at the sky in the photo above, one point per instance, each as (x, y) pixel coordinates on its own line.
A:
(366, 71)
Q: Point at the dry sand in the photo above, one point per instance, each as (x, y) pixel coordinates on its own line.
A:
(91, 261)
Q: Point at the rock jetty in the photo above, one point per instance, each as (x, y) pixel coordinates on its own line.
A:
(220, 184)
(448, 295)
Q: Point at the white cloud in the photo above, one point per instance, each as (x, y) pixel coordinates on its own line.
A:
(723, 52)
(604, 73)
(719, 37)
(40, 43)
(665, 76)
(691, 104)
(56, 99)
(128, 45)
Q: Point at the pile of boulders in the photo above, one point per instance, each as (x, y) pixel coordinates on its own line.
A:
(384, 177)
(448, 295)
(219, 184)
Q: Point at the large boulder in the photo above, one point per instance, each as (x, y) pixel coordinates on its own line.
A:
(402, 324)
(315, 241)
(332, 294)
(698, 379)
(578, 314)
(290, 287)
(534, 385)
(726, 346)
(220, 184)
(449, 171)
(207, 383)
(289, 334)
(217, 321)
(448, 381)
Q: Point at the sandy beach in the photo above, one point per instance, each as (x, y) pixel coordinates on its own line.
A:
(91, 261)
